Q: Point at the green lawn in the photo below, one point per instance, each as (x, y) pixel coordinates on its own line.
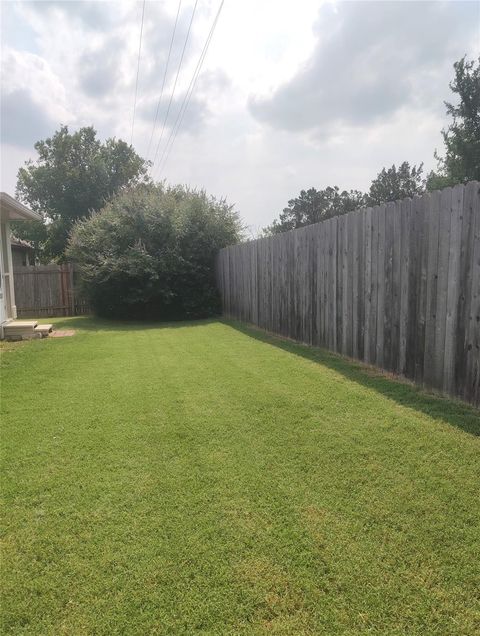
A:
(204, 478)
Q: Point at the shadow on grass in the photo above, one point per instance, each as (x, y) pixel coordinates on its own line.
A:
(92, 323)
(448, 410)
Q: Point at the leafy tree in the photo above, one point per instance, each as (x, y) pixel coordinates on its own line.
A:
(150, 252)
(312, 206)
(33, 231)
(396, 183)
(462, 137)
(437, 181)
(73, 174)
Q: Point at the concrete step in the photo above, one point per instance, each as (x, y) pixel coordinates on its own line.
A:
(25, 330)
(43, 330)
(14, 325)
(19, 329)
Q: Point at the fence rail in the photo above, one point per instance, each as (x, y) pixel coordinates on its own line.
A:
(396, 285)
(47, 290)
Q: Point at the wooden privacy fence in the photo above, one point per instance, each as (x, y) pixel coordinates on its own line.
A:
(397, 286)
(47, 290)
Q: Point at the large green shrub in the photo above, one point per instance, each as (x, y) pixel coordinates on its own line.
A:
(150, 253)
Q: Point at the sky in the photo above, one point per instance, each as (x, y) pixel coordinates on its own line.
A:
(291, 95)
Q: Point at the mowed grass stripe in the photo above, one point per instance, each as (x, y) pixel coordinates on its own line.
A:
(205, 478)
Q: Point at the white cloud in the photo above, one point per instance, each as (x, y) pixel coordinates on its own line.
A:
(23, 119)
(75, 63)
(372, 59)
(33, 98)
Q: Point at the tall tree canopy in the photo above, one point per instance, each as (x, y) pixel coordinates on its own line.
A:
(73, 174)
(396, 183)
(461, 162)
(314, 205)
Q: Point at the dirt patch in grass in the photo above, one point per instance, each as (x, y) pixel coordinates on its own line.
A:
(277, 595)
(62, 333)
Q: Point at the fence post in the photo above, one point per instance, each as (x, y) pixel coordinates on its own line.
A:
(71, 289)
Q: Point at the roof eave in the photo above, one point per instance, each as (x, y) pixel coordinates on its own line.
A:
(13, 210)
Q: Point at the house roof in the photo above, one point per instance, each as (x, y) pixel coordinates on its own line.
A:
(13, 210)
(22, 243)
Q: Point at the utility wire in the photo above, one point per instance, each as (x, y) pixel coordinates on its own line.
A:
(164, 78)
(175, 83)
(138, 71)
(188, 94)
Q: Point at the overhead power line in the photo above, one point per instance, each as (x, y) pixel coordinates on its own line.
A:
(138, 71)
(186, 100)
(164, 78)
(175, 82)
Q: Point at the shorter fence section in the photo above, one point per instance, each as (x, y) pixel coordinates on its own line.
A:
(48, 290)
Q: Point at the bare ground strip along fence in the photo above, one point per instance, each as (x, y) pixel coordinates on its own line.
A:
(47, 290)
(396, 285)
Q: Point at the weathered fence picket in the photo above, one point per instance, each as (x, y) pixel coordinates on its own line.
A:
(396, 285)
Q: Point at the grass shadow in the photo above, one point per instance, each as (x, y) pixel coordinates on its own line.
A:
(92, 323)
(451, 411)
